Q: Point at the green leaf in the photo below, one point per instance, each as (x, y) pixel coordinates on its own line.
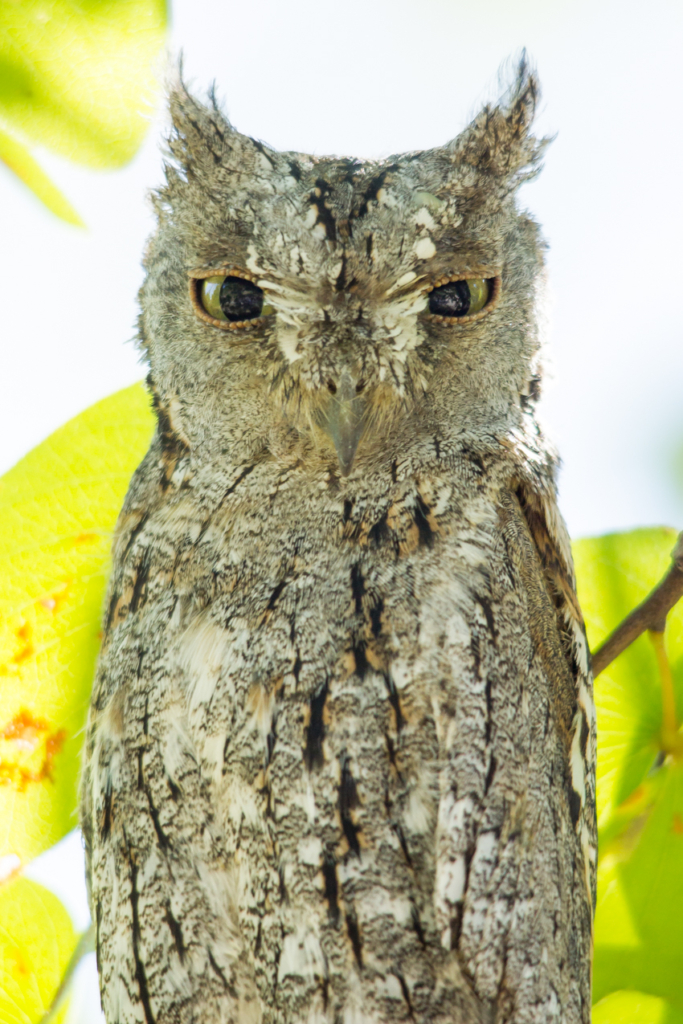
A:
(36, 942)
(639, 924)
(58, 507)
(615, 573)
(634, 1008)
(19, 160)
(78, 75)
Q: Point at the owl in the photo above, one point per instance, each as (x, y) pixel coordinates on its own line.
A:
(339, 763)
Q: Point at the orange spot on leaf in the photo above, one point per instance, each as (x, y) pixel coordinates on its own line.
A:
(24, 654)
(677, 825)
(634, 798)
(29, 750)
(26, 649)
(53, 745)
(21, 963)
(86, 538)
(22, 726)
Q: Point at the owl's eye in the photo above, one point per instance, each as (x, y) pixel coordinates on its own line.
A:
(231, 298)
(230, 301)
(461, 298)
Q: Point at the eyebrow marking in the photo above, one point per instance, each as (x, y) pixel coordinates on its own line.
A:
(370, 194)
(325, 217)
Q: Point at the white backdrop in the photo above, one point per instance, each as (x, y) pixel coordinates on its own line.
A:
(372, 77)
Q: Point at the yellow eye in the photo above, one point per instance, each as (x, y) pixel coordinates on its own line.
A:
(479, 294)
(230, 299)
(210, 296)
(461, 298)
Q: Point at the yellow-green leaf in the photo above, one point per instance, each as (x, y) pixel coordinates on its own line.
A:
(615, 573)
(638, 925)
(58, 507)
(18, 159)
(627, 1007)
(36, 942)
(79, 77)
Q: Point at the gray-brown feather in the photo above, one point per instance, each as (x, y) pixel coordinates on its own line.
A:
(340, 756)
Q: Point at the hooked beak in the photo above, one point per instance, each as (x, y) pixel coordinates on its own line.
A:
(343, 421)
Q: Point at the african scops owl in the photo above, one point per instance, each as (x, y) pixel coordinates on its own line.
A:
(340, 755)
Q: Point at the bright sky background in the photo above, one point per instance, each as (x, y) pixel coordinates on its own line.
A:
(372, 77)
(369, 78)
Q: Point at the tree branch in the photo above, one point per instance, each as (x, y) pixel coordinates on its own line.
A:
(651, 614)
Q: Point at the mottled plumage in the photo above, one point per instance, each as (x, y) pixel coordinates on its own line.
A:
(340, 757)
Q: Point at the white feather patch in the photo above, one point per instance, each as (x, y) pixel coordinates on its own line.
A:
(576, 760)
(201, 654)
(419, 814)
(424, 249)
(302, 956)
(424, 218)
(310, 851)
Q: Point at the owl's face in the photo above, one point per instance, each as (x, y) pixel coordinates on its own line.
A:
(331, 309)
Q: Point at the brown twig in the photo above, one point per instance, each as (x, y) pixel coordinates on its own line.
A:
(651, 614)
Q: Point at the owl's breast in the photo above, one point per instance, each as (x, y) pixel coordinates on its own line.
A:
(340, 659)
(355, 677)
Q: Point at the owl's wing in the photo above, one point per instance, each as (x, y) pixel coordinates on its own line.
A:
(516, 854)
(162, 893)
(541, 538)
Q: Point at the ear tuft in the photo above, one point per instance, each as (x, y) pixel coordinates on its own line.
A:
(198, 135)
(203, 143)
(498, 142)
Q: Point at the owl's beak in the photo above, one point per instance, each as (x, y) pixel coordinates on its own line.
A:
(343, 421)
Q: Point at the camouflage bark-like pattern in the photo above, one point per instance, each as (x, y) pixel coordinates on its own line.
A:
(340, 757)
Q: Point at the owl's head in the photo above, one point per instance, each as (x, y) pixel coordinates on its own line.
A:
(335, 310)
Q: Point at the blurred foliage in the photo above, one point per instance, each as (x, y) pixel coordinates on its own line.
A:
(638, 924)
(625, 1007)
(37, 940)
(77, 77)
(58, 507)
(615, 573)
